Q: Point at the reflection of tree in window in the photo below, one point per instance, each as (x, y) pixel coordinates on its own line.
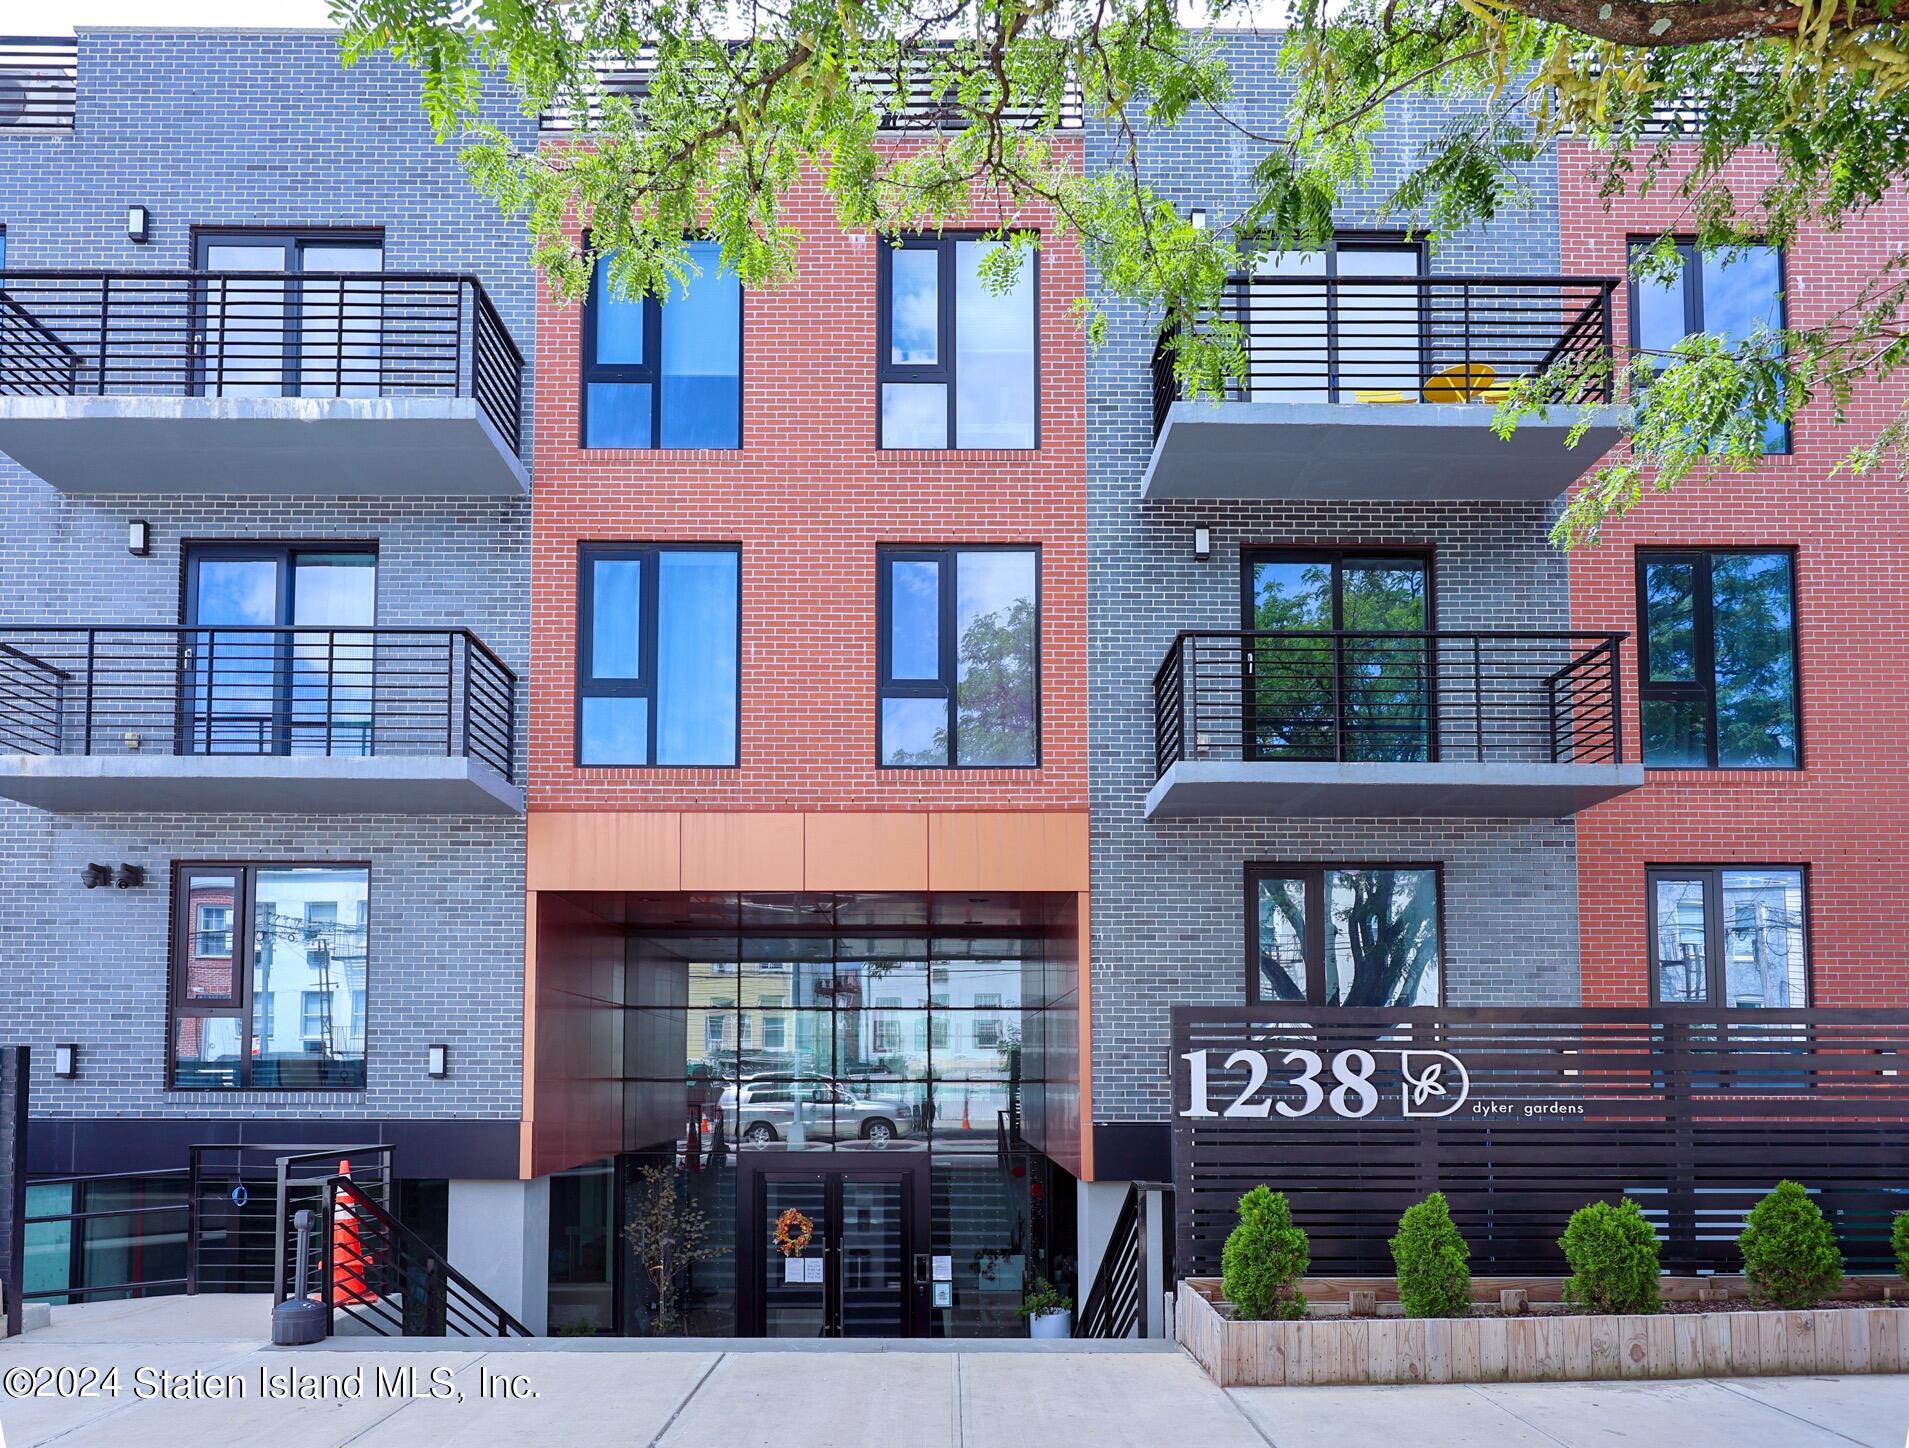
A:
(1384, 943)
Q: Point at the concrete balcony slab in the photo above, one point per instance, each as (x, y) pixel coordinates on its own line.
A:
(257, 784)
(1200, 788)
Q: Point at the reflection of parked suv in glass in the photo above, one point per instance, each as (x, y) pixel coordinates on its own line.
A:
(764, 1111)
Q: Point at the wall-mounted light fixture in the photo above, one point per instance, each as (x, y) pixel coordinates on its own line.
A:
(1202, 544)
(138, 223)
(139, 537)
(66, 1062)
(97, 875)
(130, 876)
(1197, 215)
(439, 1061)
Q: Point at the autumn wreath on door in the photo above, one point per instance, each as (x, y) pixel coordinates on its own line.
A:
(793, 1231)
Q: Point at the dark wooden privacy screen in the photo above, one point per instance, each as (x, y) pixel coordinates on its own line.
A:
(1694, 1113)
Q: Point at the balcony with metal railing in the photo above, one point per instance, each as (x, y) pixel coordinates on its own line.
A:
(1395, 724)
(328, 383)
(1385, 388)
(259, 720)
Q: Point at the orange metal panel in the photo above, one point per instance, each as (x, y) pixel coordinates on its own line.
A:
(1008, 850)
(604, 850)
(742, 850)
(887, 851)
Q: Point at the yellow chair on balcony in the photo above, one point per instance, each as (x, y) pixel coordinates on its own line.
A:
(1466, 382)
(1379, 394)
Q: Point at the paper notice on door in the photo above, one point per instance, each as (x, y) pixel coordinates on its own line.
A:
(792, 1270)
(812, 1269)
(944, 1269)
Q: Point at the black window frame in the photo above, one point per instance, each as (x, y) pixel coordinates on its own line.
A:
(942, 370)
(1691, 260)
(644, 686)
(239, 1004)
(948, 649)
(1716, 928)
(1703, 648)
(648, 372)
(1314, 878)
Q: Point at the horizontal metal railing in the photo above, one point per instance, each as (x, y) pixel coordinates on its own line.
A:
(39, 82)
(138, 1240)
(390, 1281)
(259, 334)
(1402, 339)
(153, 689)
(1389, 697)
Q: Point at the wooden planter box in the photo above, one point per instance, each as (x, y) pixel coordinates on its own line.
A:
(1868, 1339)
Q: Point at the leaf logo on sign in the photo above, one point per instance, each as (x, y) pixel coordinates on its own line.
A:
(1427, 1090)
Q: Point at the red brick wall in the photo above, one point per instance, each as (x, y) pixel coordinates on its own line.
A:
(1845, 815)
(809, 498)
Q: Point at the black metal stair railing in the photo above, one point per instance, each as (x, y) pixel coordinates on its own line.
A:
(154, 689)
(1311, 696)
(1403, 339)
(1117, 1302)
(156, 333)
(389, 1280)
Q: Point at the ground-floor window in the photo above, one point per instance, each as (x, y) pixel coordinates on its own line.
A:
(269, 976)
(1343, 935)
(1733, 935)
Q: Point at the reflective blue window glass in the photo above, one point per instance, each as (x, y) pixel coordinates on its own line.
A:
(696, 656)
(617, 414)
(1729, 294)
(915, 306)
(619, 322)
(994, 355)
(615, 731)
(615, 615)
(914, 619)
(702, 357)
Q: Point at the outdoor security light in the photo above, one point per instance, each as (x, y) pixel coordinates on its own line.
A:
(129, 876)
(97, 875)
(1198, 217)
(66, 1062)
(1202, 544)
(439, 1061)
(139, 537)
(138, 223)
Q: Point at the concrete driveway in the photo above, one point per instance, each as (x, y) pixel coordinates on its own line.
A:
(191, 1371)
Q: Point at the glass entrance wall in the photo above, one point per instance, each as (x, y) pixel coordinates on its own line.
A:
(819, 1028)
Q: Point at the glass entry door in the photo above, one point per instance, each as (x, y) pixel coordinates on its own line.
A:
(834, 1251)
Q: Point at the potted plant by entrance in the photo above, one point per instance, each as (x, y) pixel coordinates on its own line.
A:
(1049, 1311)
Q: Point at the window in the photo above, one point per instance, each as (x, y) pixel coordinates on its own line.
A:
(253, 692)
(775, 1032)
(658, 653)
(987, 1029)
(713, 1032)
(213, 934)
(665, 373)
(1718, 657)
(283, 947)
(299, 328)
(959, 658)
(1731, 936)
(1338, 340)
(957, 361)
(1352, 935)
(1373, 704)
(1728, 294)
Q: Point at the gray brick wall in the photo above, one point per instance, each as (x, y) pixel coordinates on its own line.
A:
(262, 129)
(1169, 898)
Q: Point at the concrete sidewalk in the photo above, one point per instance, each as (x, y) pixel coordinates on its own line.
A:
(193, 1372)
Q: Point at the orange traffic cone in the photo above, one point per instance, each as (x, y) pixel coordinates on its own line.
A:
(967, 1122)
(347, 1253)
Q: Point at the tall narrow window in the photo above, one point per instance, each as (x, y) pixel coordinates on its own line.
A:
(959, 658)
(270, 977)
(1729, 294)
(668, 373)
(1730, 936)
(1719, 659)
(658, 679)
(284, 315)
(1361, 935)
(957, 359)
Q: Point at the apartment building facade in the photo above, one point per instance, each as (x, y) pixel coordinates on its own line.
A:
(808, 785)
(264, 586)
